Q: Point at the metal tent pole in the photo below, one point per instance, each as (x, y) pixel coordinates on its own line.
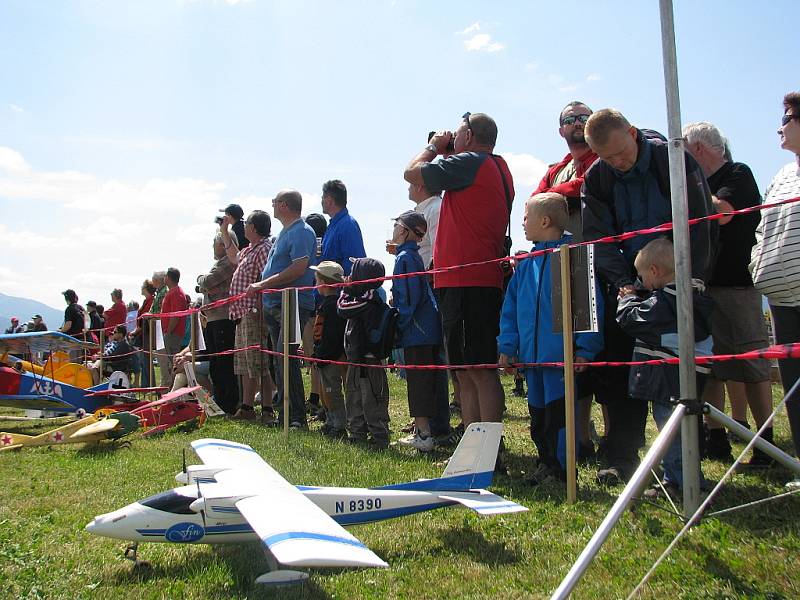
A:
(632, 490)
(683, 264)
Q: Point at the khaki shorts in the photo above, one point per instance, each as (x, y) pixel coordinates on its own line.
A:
(251, 331)
(737, 325)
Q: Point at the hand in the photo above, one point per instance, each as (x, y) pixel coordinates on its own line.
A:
(227, 221)
(391, 247)
(441, 139)
(179, 360)
(505, 363)
(626, 290)
(253, 290)
(580, 367)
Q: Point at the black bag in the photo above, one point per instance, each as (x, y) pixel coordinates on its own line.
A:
(382, 330)
(507, 242)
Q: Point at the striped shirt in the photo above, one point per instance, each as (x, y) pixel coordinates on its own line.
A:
(251, 262)
(775, 260)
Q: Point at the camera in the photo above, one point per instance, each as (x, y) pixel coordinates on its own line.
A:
(218, 220)
(450, 145)
(197, 289)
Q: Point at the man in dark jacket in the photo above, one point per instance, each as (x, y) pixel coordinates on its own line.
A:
(625, 190)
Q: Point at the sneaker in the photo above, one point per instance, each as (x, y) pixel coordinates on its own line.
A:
(610, 477)
(455, 409)
(448, 440)
(792, 485)
(297, 425)
(655, 492)
(409, 428)
(245, 413)
(423, 444)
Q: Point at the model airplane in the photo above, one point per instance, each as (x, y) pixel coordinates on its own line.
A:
(56, 346)
(235, 496)
(113, 423)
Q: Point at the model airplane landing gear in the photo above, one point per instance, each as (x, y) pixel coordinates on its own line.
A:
(132, 553)
(277, 576)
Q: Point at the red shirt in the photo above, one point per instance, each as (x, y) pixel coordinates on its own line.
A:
(175, 300)
(571, 188)
(473, 218)
(115, 315)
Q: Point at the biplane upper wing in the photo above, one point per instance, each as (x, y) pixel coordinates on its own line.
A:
(41, 341)
(294, 529)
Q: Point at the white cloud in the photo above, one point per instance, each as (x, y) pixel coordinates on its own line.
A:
(531, 66)
(476, 26)
(525, 168)
(11, 160)
(482, 42)
(593, 77)
(561, 84)
(16, 108)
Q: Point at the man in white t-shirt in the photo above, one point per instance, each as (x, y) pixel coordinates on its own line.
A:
(429, 205)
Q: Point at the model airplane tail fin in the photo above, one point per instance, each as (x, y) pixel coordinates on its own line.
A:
(474, 459)
(10, 441)
(471, 466)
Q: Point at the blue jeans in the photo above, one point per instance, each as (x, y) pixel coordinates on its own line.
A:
(297, 395)
(672, 461)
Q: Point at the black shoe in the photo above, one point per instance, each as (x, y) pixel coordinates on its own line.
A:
(717, 445)
(758, 461)
(610, 477)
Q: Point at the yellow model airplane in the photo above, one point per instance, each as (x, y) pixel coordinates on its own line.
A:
(91, 428)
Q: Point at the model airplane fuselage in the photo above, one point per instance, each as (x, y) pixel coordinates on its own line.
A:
(236, 496)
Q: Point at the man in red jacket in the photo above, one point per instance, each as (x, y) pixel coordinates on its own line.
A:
(173, 328)
(115, 314)
(566, 178)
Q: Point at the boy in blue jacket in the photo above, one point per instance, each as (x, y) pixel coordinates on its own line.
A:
(526, 334)
(419, 330)
(653, 321)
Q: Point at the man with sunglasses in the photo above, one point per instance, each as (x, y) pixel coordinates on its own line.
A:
(474, 216)
(566, 178)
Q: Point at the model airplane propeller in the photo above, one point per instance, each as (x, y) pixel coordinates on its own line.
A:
(244, 499)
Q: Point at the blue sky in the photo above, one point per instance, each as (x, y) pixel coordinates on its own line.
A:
(124, 126)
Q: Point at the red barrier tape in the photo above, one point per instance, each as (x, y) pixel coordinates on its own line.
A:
(663, 228)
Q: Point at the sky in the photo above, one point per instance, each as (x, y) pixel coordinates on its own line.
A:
(126, 126)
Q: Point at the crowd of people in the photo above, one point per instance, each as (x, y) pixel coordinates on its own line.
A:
(489, 313)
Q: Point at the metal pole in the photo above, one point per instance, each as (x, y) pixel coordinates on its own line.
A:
(637, 482)
(774, 453)
(150, 343)
(569, 371)
(285, 328)
(683, 263)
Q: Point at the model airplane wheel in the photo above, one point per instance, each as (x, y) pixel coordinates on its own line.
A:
(282, 577)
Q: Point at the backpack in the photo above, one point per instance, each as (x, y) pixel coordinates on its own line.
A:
(381, 330)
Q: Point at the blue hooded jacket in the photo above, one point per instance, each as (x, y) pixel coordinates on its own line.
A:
(526, 324)
(418, 324)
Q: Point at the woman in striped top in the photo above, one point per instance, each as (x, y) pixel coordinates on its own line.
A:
(776, 257)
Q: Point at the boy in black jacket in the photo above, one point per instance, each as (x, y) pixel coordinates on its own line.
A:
(329, 345)
(366, 389)
(654, 323)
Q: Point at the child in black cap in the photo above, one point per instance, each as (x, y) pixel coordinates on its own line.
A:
(366, 388)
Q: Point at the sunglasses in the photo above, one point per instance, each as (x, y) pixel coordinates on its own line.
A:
(466, 116)
(570, 120)
(787, 118)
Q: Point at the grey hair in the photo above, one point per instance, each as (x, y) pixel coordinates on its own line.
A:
(234, 238)
(708, 134)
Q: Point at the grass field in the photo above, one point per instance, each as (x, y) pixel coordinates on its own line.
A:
(48, 495)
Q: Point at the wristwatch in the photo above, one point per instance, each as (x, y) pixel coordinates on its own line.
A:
(432, 148)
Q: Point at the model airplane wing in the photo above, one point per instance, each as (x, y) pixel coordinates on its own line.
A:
(483, 502)
(296, 531)
(41, 341)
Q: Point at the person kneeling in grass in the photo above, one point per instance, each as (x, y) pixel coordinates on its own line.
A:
(419, 329)
(526, 335)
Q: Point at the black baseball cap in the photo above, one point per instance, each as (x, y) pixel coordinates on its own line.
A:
(413, 221)
(233, 210)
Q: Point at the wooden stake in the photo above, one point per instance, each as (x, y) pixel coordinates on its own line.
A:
(569, 372)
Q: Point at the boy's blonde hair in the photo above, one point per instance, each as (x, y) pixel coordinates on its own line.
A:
(659, 252)
(550, 204)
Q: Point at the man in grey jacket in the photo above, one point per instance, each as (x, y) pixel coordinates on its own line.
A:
(220, 331)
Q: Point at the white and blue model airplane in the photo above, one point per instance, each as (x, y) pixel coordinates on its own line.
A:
(235, 496)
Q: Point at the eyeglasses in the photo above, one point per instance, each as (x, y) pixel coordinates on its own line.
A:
(787, 118)
(570, 120)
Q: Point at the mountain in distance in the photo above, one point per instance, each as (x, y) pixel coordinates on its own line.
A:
(24, 309)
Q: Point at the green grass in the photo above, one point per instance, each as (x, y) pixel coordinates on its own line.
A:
(48, 495)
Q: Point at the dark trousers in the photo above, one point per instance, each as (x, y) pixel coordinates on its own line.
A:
(786, 324)
(548, 432)
(627, 416)
(421, 382)
(297, 398)
(220, 336)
